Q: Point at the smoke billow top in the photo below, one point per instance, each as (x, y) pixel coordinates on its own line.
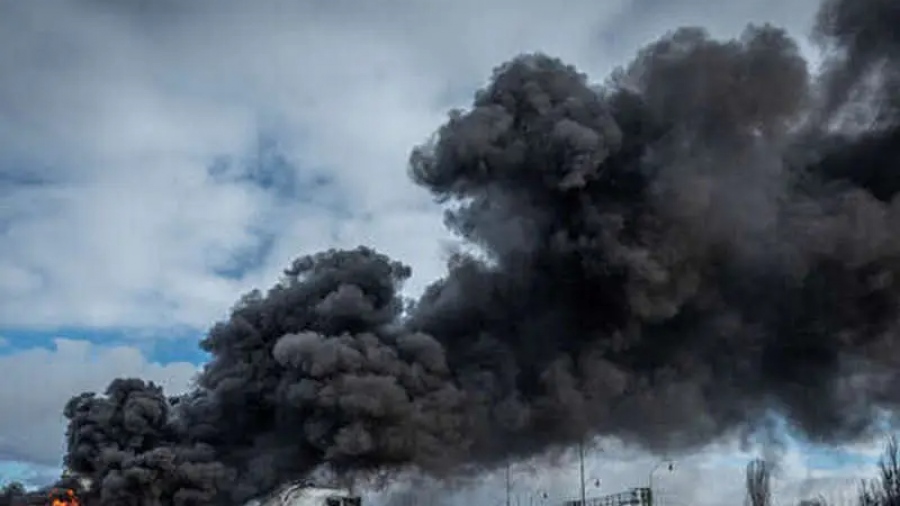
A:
(710, 236)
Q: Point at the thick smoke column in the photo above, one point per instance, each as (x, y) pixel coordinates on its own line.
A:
(319, 369)
(129, 441)
(709, 237)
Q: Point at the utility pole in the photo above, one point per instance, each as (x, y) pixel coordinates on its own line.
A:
(581, 464)
(508, 486)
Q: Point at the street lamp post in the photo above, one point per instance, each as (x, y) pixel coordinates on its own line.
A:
(508, 485)
(581, 460)
(670, 466)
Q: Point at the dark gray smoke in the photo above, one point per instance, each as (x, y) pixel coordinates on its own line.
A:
(131, 442)
(709, 237)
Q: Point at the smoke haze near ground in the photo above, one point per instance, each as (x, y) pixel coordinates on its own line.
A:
(668, 257)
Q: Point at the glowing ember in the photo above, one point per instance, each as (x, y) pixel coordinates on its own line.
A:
(63, 498)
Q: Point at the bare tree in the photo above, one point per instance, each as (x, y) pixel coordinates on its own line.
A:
(759, 487)
(885, 490)
(11, 493)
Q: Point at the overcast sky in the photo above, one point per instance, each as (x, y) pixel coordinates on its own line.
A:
(157, 159)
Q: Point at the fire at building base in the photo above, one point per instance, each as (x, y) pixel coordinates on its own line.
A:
(55, 497)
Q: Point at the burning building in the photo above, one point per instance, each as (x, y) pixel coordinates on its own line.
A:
(54, 496)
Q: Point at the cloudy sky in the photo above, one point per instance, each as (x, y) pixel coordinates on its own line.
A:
(157, 159)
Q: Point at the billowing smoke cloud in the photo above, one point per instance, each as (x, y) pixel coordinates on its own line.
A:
(709, 237)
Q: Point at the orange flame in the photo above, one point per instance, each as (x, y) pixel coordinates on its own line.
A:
(64, 498)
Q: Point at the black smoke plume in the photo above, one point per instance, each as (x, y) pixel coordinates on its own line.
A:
(707, 238)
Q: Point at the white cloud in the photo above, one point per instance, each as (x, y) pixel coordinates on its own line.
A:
(122, 107)
(37, 382)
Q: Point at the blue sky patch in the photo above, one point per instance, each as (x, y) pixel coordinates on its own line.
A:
(176, 345)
